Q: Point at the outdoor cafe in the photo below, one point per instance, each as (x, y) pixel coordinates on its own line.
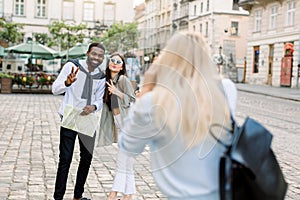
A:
(33, 67)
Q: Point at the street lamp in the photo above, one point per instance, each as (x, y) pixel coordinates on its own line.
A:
(220, 53)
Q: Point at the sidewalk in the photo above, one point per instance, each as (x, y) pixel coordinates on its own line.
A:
(279, 92)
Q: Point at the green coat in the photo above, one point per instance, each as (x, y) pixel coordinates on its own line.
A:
(107, 130)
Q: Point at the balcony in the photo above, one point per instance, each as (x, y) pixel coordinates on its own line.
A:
(248, 4)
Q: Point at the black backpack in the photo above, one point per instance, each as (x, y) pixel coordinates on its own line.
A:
(249, 169)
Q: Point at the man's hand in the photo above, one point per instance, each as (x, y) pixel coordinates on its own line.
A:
(88, 109)
(71, 77)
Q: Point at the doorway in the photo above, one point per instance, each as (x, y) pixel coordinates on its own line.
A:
(270, 64)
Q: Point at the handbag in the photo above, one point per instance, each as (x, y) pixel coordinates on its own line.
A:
(249, 169)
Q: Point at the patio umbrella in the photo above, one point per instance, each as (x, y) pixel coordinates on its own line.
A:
(35, 49)
(77, 51)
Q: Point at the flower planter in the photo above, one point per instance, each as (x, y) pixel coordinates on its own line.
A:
(6, 85)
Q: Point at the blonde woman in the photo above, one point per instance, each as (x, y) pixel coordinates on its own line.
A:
(174, 118)
(118, 96)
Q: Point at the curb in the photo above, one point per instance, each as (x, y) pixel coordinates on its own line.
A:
(270, 95)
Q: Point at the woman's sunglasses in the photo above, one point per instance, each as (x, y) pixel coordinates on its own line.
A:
(115, 61)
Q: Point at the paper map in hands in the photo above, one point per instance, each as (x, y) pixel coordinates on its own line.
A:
(85, 124)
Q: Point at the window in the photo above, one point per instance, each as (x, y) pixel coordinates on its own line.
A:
(207, 5)
(19, 7)
(195, 10)
(256, 59)
(257, 20)
(1, 8)
(109, 13)
(68, 10)
(273, 17)
(206, 29)
(88, 12)
(201, 7)
(194, 28)
(160, 19)
(234, 30)
(41, 8)
(184, 10)
(201, 29)
(290, 13)
(235, 5)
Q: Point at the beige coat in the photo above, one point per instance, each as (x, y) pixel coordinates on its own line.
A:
(107, 129)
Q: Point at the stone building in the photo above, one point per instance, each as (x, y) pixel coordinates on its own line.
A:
(224, 27)
(274, 28)
(36, 15)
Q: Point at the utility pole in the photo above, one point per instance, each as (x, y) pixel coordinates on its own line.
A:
(245, 66)
(68, 44)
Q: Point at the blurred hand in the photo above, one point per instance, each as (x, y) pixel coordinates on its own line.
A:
(88, 109)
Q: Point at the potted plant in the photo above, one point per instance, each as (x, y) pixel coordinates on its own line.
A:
(6, 83)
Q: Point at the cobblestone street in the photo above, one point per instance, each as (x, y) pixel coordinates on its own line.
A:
(29, 142)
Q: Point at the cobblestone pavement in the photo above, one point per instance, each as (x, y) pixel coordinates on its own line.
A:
(282, 118)
(29, 141)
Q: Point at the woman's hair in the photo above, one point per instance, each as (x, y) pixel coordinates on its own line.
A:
(108, 74)
(188, 89)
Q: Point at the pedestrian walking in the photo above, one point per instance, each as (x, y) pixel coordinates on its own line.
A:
(174, 118)
(118, 96)
(84, 88)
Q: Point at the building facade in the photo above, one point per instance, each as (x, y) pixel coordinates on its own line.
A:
(224, 27)
(273, 42)
(36, 15)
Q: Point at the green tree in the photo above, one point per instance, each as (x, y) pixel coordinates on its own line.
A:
(121, 37)
(10, 32)
(66, 35)
(41, 38)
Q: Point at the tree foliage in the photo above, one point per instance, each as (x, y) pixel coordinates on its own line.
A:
(41, 38)
(66, 35)
(10, 32)
(121, 37)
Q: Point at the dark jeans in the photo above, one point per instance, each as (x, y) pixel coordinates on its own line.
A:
(66, 148)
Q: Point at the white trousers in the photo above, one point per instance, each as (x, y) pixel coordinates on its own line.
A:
(124, 181)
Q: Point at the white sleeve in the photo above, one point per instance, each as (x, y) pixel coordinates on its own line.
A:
(231, 94)
(139, 127)
(58, 86)
(99, 94)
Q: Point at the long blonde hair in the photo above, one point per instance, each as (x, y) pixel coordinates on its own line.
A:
(188, 89)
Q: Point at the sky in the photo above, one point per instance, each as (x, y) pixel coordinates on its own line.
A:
(136, 2)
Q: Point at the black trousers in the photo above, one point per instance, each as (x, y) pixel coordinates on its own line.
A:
(66, 149)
